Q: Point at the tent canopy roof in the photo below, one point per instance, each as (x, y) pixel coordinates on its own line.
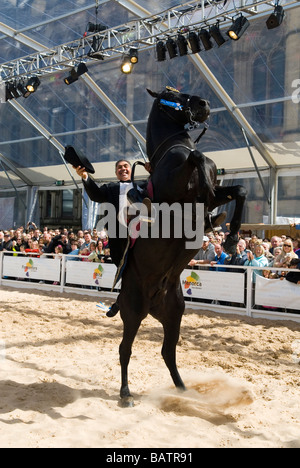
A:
(253, 84)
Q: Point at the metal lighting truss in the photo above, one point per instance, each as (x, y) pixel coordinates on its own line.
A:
(141, 33)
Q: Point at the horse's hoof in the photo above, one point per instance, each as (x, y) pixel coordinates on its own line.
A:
(230, 244)
(127, 402)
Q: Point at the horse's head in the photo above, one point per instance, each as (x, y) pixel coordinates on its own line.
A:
(183, 108)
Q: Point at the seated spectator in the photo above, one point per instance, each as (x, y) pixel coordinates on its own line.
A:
(106, 258)
(267, 246)
(74, 251)
(287, 254)
(1, 240)
(252, 243)
(296, 244)
(276, 242)
(93, 254)
(269, 274)
(8, 243)
(84, 253)
(104, 237)
(58, 251)
(294, 276)
(87, 240)
(64, 242)
(71, 236)
(240, 257)
(205, 255)
(257, 259)
(18, 243)
(99, 248)
(276, 252)
(220, 257)
(33, 249)
(80, 242)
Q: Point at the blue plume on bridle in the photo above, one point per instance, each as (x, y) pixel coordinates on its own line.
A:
(175, 105)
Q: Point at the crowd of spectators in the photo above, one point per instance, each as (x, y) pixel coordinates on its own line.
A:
(278, 252)
(89, 245)
(93, 246)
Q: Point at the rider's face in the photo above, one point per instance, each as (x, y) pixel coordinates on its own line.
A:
(123, 171)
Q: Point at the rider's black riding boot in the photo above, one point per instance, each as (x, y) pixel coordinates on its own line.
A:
(135, 196)
(113, 310)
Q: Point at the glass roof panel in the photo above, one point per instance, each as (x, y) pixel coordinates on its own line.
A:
(257, 73)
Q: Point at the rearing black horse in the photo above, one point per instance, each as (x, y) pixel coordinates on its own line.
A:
(181, 174)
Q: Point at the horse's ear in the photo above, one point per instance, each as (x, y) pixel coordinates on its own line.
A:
(152, 93)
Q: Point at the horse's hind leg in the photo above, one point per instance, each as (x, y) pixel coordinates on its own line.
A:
(171, 320)
(131, 325)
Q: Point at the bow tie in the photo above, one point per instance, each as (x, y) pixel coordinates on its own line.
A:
(125, 181)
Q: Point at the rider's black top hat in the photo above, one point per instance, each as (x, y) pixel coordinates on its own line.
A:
(77, 158)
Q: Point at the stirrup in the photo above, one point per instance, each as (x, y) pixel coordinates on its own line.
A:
(135, 197)
(148, 219)
(212, 223)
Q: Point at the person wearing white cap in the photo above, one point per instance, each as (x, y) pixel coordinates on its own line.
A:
(205, 255)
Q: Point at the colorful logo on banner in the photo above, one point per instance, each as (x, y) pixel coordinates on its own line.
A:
(29, 267)
(98, 274)
(192, 281)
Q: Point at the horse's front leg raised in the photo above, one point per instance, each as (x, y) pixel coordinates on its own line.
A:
(225, 195)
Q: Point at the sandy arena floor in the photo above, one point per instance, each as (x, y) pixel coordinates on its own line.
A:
(60, 379)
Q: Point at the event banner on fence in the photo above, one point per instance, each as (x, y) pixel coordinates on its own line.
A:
(90, 274)
(42, 269)
(214, 285)
(276, 293)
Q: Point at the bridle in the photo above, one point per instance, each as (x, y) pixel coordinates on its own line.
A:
(192, 124)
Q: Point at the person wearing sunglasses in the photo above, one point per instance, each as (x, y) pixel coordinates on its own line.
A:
(283, 260)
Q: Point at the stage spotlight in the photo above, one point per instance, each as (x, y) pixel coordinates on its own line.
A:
(12, 91)
(171, 47)
(74, 75)
(23, 90)
(161, 51)
(194, 42)
(238, 28)
(8, 93)
(276, 18)
(205, 38)
(133, 55)
(216, 34)
(33, 84)
(81, 69)
(126, 65)
(182, 45)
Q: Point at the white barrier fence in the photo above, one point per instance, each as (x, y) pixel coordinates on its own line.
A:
(222, 289)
